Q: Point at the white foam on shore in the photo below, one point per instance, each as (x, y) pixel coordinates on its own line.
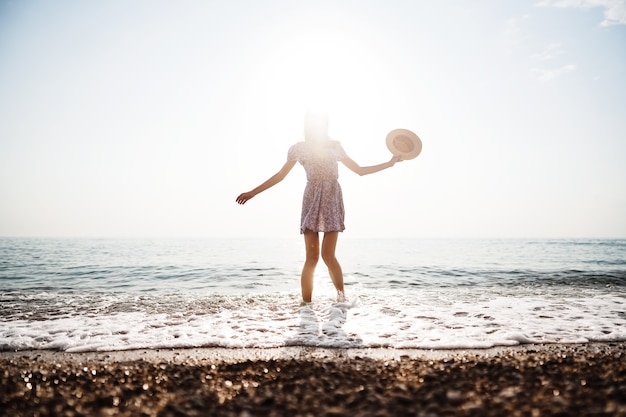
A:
(430, 319)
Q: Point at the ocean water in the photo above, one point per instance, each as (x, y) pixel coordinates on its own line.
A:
(81, 295)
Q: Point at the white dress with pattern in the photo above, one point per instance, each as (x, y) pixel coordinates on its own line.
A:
(322, 203)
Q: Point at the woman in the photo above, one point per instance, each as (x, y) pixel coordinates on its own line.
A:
(322, 204)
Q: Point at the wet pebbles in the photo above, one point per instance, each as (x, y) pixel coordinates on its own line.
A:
(555, 380)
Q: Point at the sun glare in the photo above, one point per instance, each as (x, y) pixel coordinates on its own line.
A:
(325, 71)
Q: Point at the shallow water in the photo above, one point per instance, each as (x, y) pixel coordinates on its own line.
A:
(87, 295)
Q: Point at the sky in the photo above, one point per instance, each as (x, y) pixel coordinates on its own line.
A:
(148, 118)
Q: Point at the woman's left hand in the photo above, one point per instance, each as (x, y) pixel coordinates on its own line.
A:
(395, 158)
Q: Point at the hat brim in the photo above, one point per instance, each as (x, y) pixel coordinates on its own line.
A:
(404, 143)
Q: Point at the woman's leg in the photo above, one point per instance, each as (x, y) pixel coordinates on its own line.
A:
(329, 244)
(312, 245)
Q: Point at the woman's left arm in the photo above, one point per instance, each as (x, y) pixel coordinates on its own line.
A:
(356, 168)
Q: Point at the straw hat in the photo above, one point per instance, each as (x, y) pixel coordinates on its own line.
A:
(404, 143)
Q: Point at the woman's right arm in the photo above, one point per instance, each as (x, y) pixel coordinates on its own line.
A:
(272, 181)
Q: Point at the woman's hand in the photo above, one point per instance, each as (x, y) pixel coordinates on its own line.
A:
(394, 159)
(243, 197)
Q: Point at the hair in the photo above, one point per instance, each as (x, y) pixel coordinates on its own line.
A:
(316, 126)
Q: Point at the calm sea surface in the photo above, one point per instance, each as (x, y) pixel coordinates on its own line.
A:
(101, 295)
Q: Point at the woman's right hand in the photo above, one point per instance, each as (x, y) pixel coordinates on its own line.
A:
(243, 197)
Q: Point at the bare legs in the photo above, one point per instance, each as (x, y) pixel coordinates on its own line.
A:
(328, 255)
(312, 244)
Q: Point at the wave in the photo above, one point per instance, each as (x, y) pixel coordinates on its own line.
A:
(421, 318)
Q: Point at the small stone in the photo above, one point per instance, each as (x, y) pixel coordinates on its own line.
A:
(454, 397)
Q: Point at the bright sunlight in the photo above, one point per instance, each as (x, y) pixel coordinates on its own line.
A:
(326, 71)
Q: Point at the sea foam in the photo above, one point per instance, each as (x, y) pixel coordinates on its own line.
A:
(428, 320)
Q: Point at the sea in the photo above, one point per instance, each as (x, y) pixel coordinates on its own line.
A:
(84, 295)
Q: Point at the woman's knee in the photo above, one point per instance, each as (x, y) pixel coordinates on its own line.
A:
(312, 257)
(312, 244)
(328, 248)
(329, 257)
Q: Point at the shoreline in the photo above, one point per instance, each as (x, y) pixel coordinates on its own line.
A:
(235, 355)
(533, 380)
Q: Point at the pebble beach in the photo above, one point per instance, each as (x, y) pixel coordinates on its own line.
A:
(526, 380)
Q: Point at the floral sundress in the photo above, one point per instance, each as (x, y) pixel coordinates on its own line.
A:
(322, 203)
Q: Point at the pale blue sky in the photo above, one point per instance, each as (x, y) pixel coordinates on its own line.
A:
(148, 118)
